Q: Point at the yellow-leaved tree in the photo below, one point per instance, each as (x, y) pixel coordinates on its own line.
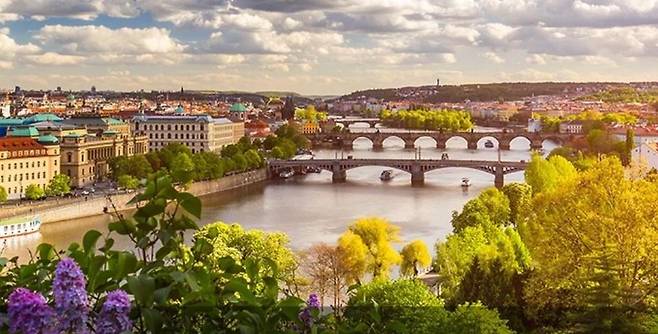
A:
(415, 257)
(367, 246)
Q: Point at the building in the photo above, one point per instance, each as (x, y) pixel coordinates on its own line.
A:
(198, 132)
(646, 153)
(85, 158)
(25, 161)
(571, 127)
(100, 125)
(238, 112)
(307, 127)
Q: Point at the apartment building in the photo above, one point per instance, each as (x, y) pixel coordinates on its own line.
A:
(25, 161)
(198, 132)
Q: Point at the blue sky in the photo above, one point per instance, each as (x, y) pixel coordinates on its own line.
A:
(322, 46)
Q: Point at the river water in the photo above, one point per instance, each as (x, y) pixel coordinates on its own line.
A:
(310, 209)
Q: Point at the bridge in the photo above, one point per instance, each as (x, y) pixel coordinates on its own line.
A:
(504, 139)
(349, 121)
(416, 167)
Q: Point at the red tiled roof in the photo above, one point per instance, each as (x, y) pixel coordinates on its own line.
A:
(19, 144)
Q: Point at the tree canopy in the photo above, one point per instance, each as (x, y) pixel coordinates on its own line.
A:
(375, 235)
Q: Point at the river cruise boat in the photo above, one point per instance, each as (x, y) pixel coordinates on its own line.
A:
(386, 175)
(19, 226)
(466, 182)
(489, 144)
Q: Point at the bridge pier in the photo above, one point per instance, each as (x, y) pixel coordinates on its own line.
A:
(378, 144)
(472, 145)
(417, 175)
(499, 180)
(409, 145)
(504, 146)
(347, 144)
(536, 146)
(338, 176)
(440, 144)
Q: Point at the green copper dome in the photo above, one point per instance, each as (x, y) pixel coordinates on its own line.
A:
(238, 107)
(48, 139)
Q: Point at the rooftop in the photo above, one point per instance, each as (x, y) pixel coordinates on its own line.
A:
(18, 144)
(238, 107)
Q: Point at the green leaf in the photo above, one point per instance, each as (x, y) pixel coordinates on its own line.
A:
(126, 264)
(90, 239)
(46, 251)
(190, 203)
(142, 287)
(153, 320)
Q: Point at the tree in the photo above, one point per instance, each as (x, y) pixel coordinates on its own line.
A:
(570, 227)
(241, 163)
(401, 306)
(241, 245)
(519, 195)
(128, 182)
(34, 191)
(491, 206)
(230, 150)
(353, 253)
(254, 160)
(59, 185)
(182, 168)
(3, 194)
(269, 142)
(415, 256)
(139, 166)
(475, 318)
(168, 153)
(543, 175)
(377, 235)
(328, 273)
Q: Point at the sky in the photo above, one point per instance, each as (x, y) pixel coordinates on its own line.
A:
(322, 46)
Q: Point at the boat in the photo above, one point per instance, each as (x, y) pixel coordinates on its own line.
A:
(386, 175)
(19, 226)
(445, 156)
(466, 182)
(286, 174)
(489, 144)
(311, 169)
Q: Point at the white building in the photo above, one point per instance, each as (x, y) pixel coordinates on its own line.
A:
(646, 153)
(571, 127)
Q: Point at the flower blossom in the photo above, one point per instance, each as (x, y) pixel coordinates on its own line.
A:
(71, 302)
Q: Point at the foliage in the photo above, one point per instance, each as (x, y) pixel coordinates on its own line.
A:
(624, 95)
(415, 257)
(3, 194)
(595, 243)
(128, 182)
(137, 166)
(519, 196)
(182, 168)
(544, 175)
(403, 306)
(310, 114)
(376, 235)
(34, 191)
(328, 274)
(476, 318)
(491, 206)
(59, 185)
(442, 120)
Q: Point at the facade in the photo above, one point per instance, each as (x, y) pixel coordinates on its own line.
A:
(571, 127)
(647, 154)
(307, 127)
(25, 161)
(199, 133)
(85, 158)
(100, 125)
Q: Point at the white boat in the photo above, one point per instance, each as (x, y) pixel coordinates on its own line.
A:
(386, 175)
(286, 174)
(19, 226)
(466, 182)
(488, 144)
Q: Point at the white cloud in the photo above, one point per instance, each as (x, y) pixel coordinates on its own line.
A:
(52, 59)
(493, 57)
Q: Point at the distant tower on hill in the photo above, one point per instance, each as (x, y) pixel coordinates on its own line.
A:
(438, 82)
(93, 89)
(288, 110)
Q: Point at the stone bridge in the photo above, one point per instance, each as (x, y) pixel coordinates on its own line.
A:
(346, 139)
(349, 121)
(417, 168)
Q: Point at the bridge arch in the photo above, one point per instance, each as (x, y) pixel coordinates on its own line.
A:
(393, 137)
(362, 125)
(521, 142)
(483, 140)
(361, 138)
(423, 138)
(456, 140)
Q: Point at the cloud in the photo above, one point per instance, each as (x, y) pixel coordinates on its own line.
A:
(493, 57)
(52, 58)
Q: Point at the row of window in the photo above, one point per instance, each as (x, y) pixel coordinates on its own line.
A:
(21, 226)
(163, 144)
(19, 165)
(161, 127)
(187, 136)
(19, 177)
(27, 153)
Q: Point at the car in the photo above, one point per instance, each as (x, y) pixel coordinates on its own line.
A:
(84, 192)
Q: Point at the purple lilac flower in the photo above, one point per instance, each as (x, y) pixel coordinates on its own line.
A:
(305, 315)
(29, 313)
(114, 316)
(71, 301)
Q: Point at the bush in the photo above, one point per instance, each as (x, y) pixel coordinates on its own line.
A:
(34, 191)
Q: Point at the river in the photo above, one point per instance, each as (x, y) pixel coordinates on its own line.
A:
(310, 209)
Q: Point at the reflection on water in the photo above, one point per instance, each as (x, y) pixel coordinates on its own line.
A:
(311, 209)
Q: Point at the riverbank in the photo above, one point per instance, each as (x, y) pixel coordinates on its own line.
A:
(81, 208)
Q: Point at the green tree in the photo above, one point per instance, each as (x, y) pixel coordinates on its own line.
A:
(475, 318)
(230, 150)
(241, 245)
(401, 306)
(128, 182)
(59, 185)
(182, 168)
(491, 206)
(543, 175)
(354, 254)
(254, 160)
(377, 235)
(520, 196)
(34, 191)
(269, 142)
(168, 153)
(241, 163)
(3, 194)
(415, 257)
(139, 166)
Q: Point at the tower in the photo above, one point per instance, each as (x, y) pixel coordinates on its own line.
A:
(288, 110)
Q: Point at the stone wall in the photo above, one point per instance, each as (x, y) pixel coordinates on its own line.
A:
(95, 206)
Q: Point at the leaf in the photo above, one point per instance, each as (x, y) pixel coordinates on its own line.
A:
(142, 287)
(46, 251)
(153, 320)
(90, 239)
(126, 264)
(190, 203)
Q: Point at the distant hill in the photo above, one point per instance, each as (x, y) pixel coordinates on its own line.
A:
(479, 92)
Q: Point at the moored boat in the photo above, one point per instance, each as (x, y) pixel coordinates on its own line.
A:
(488, 144)
(19, 226)
(286, 174)
(386, 175)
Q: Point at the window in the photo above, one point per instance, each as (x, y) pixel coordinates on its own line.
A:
(68, 157)
(169, 136)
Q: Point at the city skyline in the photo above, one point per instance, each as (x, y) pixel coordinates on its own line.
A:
(321, 46)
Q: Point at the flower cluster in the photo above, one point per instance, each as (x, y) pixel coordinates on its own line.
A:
(114, 317)
(71, 302)
(311, 304)
(29, 313)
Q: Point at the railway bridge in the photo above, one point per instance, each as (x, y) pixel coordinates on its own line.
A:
(416, 167)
